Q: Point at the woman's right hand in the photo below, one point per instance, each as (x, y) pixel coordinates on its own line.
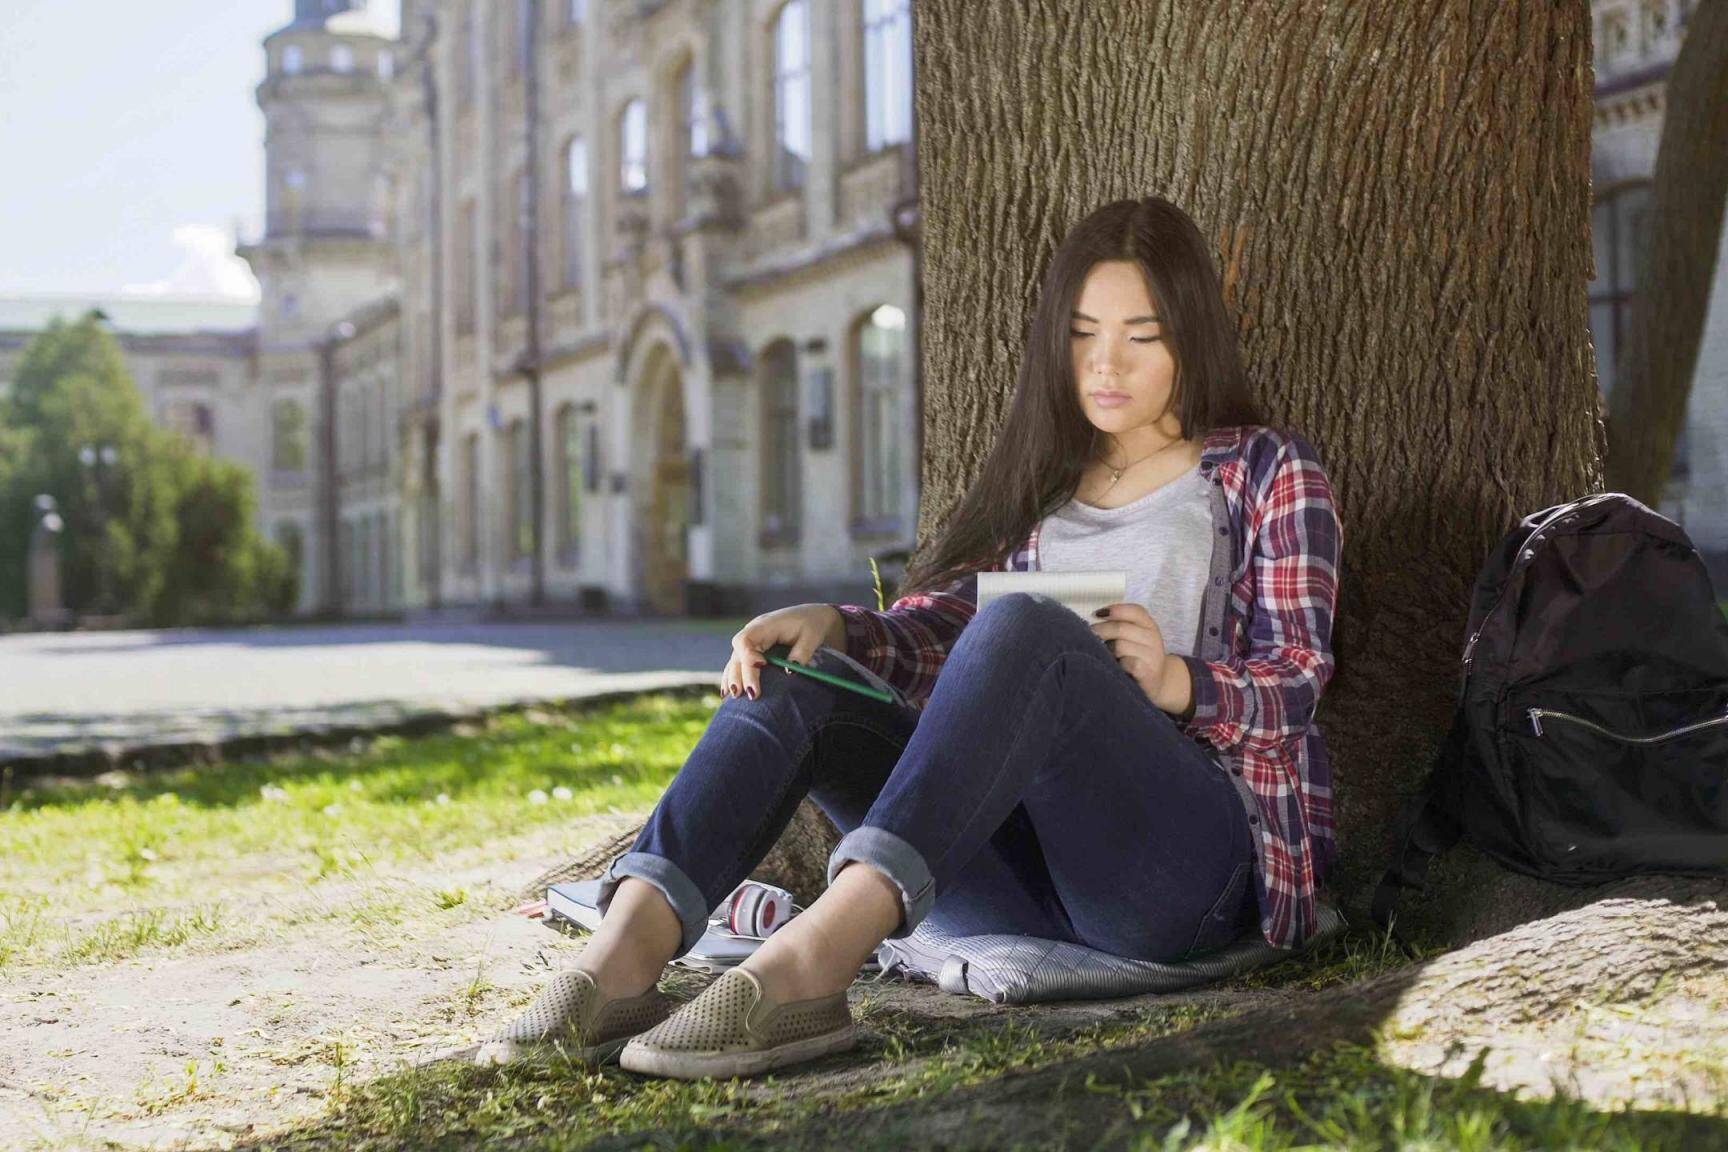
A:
(801, 627)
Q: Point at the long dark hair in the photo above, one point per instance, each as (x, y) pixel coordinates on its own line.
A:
(1037, 461)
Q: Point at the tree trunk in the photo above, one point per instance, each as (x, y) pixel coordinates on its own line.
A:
(1653, 379)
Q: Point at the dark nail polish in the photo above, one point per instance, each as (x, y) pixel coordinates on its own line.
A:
(750, 692)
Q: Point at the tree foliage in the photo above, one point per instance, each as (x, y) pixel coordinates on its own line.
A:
(153, 530)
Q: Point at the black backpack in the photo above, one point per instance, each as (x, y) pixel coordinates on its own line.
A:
(1590, 739)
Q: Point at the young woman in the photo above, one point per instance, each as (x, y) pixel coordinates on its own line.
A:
(1149, 783)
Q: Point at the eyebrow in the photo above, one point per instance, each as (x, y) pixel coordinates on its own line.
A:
(1135, 320)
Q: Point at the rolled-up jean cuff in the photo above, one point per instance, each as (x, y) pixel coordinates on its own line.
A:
(680, 891)
(895, 859)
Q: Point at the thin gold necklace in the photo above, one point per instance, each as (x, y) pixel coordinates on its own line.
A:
(1116, 473)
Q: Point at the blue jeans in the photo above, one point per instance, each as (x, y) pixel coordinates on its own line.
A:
(1040, 792)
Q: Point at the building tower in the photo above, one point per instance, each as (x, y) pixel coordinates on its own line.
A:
(325, 251)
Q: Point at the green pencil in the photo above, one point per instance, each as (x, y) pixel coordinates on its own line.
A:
(777, 655)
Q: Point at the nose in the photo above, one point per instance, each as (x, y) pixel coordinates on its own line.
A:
(1105, 356)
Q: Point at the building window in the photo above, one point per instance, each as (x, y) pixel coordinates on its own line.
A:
(569, 434)
(887, 72)
(293, 59)
(468, 503)
(378, 215)
(780, 440)
(293, 544)
(877, 427)
(195, 421)
(575, 13)
(1652, 24)
(342, 58)
(287, 436)
(591, 461)
(791, 96)
(345, 564)
(386, 65)
(520, 515)
(1619, 225)
(633, 148)
(1615, 38)
(575, 208)
(468, 53)
(514, 270)
(692, 107)
(693, 102)
(465, 280)
(522, 39)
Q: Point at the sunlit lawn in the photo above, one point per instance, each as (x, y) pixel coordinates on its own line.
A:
(160, 849)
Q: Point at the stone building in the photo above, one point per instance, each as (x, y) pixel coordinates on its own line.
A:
(1636, 42)
(653, 247)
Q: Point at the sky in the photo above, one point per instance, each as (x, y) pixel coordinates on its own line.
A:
(132, 144)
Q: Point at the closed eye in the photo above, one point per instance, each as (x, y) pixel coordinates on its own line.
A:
(1131, 339)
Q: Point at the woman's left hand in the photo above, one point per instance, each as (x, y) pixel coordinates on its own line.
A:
(1134, 639)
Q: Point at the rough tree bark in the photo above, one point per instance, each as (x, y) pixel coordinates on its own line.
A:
(1653, 379)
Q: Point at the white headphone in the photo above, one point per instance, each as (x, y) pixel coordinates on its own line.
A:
(756, 910)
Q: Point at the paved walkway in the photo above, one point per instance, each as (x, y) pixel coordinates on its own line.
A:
(115, 691)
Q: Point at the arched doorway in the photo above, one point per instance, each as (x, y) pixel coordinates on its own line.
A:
(663, 511)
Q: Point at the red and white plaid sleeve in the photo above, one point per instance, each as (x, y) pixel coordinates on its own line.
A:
(908, 643)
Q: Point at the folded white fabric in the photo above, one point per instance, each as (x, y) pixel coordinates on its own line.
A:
(1007, 969)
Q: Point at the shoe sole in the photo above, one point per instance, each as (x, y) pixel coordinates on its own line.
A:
(700, 1065)
(594, 1055)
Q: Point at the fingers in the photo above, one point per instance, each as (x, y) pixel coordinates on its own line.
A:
(742, 678)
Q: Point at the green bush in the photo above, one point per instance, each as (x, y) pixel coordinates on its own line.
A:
(162, 534)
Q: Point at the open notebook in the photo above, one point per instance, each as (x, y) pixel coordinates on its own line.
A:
(1080, 592)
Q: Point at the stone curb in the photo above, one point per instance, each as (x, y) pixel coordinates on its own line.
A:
(322, 729)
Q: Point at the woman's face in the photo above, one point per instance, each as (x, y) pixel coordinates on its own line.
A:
(1117, 345)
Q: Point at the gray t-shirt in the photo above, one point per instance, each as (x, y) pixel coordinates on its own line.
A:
(1162, 540)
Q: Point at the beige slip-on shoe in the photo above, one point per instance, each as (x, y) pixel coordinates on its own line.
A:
(733, 1029)
(569, 1014)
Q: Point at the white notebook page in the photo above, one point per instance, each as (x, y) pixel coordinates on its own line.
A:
(1081, 592)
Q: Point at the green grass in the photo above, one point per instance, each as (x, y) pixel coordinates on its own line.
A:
(1341, 1097)
(173, 857)
(151, 860)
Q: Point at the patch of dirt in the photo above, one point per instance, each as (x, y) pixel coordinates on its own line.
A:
(221, 1043)
(208, 1044)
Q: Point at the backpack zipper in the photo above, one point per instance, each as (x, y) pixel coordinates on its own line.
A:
(1526, 552)
(1536, 715)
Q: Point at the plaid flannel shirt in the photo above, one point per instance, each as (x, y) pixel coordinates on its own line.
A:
(1255, 705)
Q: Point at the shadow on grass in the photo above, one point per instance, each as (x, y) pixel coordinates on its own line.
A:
(1170, 1075)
